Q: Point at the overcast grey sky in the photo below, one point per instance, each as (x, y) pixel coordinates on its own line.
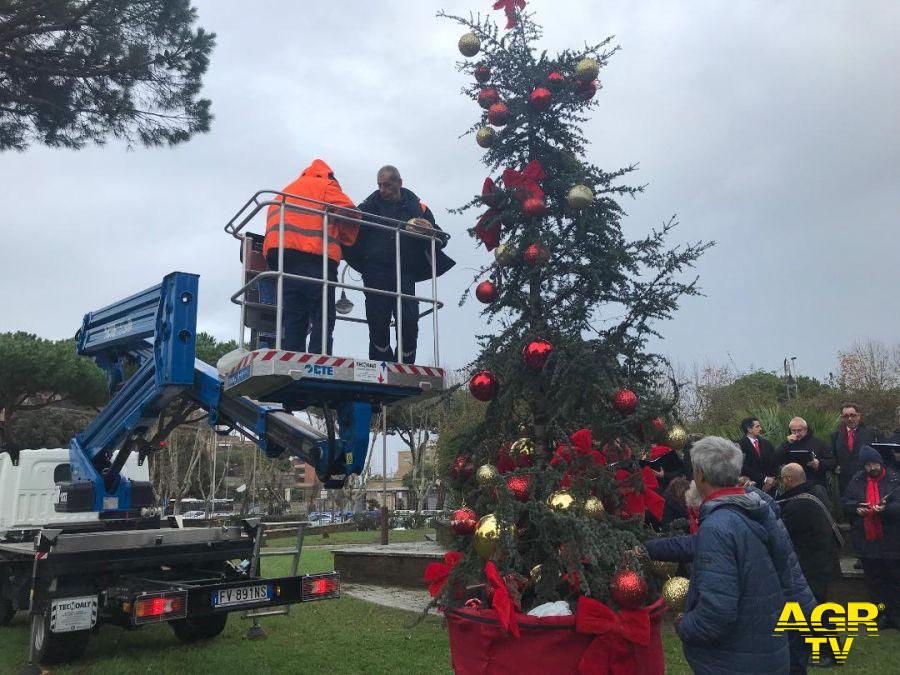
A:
(771, 127)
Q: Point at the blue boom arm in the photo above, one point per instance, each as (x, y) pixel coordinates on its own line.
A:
(156, 330)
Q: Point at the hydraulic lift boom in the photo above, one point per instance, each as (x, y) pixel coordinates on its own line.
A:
(156, 331)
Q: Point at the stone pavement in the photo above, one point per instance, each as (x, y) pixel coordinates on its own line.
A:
(407, 599)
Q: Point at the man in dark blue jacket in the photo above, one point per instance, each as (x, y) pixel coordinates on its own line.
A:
(872, 499)
(744, 570)
(374, 255)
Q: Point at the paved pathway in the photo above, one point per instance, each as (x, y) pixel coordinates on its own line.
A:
(411, 600)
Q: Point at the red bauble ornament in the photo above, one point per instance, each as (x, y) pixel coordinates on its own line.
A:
(658, 423)
(628, 589)
(464, 521)
(488, 97)
(463, 468)
(586, 90)
(624, 401)
(540, 99)
(498, 114)
(487, 292)
(536, 255)
(555, 81)
(482, 74)
(484, 385)
(518, 486)
(536, 353)
(505, 460)
(534, 207)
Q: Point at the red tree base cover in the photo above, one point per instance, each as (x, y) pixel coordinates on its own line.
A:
(478, 645)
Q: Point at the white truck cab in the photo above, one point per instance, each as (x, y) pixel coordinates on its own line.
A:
(28, 491)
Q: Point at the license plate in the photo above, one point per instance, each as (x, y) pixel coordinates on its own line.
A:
(71, 614)
(242, 595)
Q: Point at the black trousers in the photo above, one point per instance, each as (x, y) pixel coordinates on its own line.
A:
(883, 580)
(302, 302)
(380, 309)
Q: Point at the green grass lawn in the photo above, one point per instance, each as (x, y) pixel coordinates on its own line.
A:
(339, 636)
(367, 537)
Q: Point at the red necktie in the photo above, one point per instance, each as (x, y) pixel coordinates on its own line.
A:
(756, 446)
(850, 435)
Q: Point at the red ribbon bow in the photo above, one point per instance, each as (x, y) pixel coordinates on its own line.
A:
(509, 6)
(488, 229)
(525, 183)
(436, 574)
(489, 193)
(501, 602)
(646, 499)
(580, 445)
(612, 651)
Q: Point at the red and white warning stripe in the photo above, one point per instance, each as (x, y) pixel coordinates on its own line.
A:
(300, 357)
(408, 369)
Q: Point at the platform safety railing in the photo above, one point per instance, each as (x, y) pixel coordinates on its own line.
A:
(263, 199)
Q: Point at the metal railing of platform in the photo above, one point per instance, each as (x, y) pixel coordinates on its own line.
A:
(263, 199)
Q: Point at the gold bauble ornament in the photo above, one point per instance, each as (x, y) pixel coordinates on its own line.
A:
(580, 196)
(505, 254)
(677, 437)
(523, 449)
(535, 574)
(593, 507)
(662, 568)
(560, 500)
(485, 137)
(486, 474)
(487, 534)
(469, 45)
(587, 69)
(674, 592)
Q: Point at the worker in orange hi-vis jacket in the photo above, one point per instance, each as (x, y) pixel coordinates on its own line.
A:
(303, 246)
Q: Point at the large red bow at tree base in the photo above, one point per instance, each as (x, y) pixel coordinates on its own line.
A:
(436, 574)
(525, 183)
(509, 6)
(612, 651)
(500, 600)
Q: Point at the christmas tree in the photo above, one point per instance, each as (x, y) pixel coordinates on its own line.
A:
(553, 497)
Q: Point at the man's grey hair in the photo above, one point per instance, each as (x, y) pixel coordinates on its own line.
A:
(799, 420)
(718, 459)
(389, 170)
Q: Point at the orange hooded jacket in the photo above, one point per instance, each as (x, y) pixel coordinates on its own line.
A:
(303, 231)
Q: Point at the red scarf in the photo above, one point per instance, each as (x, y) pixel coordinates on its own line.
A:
(724, 491)
(872, 521)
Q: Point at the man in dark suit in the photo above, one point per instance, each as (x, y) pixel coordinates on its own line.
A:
(759, 455)
(846, 441)
(803, 448)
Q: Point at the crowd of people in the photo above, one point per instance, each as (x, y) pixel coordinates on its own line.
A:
(761, 530)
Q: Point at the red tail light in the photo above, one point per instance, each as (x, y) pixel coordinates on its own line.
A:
(163, 607)
(321, 586)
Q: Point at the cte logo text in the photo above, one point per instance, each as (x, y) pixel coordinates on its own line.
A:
(318, 370)
(829, 618)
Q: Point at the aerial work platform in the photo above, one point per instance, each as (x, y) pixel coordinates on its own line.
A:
(295, 377)
(255, 390)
